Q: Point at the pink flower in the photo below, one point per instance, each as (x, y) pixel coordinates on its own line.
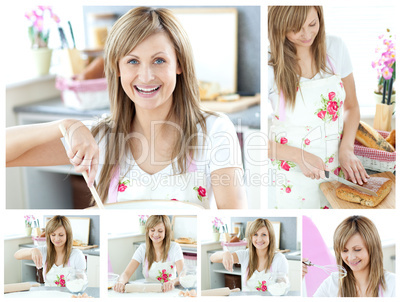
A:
(264, 282)
(258, 288)
(159, 278)
(340, 83)
(284, 165)
(387, 72)
(163, 271)
(335, 117)
(284, 140)
(164, 276)
(321, 114)
(264, 288)
(332, 107)
(331, 159)
(331, 95)
(325, 207)
(170, 275)
(337, 170)
(122, 187)
(57, 282)
(307, 141)
(202, 192)
(174, 199)
(171, 266)
(288, 190)
(61, 276)
(340, 104)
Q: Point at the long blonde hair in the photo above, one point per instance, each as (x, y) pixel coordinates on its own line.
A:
(287, 73)
(152, 221)
(51, 226)
(253, 258)
(366, 228)
(128, 32)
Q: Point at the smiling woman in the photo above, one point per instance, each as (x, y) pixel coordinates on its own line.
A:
(157, 143)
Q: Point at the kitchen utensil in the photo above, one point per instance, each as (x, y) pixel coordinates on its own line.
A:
(18, 287)
(188, 277)
(77, 281)
(72, 33)
(84, 174)
(111, 280)
(329, 269)
(278, 284)
(143, 288)
(329, 188)
(64, 43)
(224, 291)
(383, 111)
(331, 175)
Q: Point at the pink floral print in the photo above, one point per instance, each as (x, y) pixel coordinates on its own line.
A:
(123, 185)
(201, 192)
(164, 276)
(329, 107)
(262, 286)
(60, 281)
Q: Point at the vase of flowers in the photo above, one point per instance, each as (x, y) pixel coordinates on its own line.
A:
(28, 224)
(216, 225)
(385, 64)
(142, 220)
(40, 21)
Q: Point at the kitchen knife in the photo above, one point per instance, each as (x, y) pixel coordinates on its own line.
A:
(224, 291)
(330, 175)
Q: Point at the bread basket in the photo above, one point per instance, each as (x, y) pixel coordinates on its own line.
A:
(234, 246)
(376, 160)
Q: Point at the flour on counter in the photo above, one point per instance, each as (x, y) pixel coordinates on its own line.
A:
(278, 289)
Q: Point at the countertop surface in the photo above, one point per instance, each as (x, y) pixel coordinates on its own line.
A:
(92, 252)
(241, 293)
(249, 117)
(91, 291)
(292, 255)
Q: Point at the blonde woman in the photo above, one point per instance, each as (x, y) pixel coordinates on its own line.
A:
(157, 143)
(57, 257)
(358, 249)
(160, 258)
(257, 262)
(316, 113)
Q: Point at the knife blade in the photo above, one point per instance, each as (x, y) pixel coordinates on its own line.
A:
(357, 187)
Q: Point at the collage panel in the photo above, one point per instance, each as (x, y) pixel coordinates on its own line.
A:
(251, 256)
(332, 144)
(161, 111)
(349, 255)
(52, 256)
(153, 256)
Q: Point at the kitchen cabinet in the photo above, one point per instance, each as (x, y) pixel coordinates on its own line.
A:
(50, 187)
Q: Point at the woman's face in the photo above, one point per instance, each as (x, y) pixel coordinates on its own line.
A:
(355, 254)
(305, 37)
(261, 239)
(157, 233)
(59, 237)
(148, 73)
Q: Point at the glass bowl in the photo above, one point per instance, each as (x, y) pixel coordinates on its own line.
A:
(188, 277)
(278, 284)
(77, 281)
(111, 280)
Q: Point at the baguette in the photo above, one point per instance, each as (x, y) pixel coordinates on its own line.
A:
(369, 137)
(391, 138)
(381, 185)
(184, 240)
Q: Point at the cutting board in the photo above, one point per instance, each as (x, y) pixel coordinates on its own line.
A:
(328, 188)
(87, 247)
(230, 107)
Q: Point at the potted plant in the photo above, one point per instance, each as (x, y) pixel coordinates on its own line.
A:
(216, 225)
(142, 220)
(385, 66)
(28, 224)
(40, 21)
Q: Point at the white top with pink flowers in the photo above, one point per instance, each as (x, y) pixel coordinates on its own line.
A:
(339, 56)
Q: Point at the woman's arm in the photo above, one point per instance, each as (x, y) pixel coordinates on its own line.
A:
(33, 254)
(40, 145)
(311, 165)
(126, 275)
(176, 281)
(228, 187)
(226, 258)
(350, 164)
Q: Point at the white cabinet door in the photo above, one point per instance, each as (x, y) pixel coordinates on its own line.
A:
(93, 271)
(294, 275)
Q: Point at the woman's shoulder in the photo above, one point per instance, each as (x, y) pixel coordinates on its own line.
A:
(334, 43)
(217, 122)
(76, 253)
(390, 278)
(279, 257)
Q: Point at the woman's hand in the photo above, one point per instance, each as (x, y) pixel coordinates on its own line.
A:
(352, 166)
(167, 286)
(84, 151)
(228, 261)
(311, 165)
(119, 286)
(37, 258)
(304, 269)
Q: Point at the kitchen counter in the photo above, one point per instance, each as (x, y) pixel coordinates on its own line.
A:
(245, 293)
(92, 252)
(51, 292)
(55, 109)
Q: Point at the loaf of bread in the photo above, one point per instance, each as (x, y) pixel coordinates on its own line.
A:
(95, 70)
(391, 138)
(380, 185)
(234, 239)
(185, 240)
(369, 137)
